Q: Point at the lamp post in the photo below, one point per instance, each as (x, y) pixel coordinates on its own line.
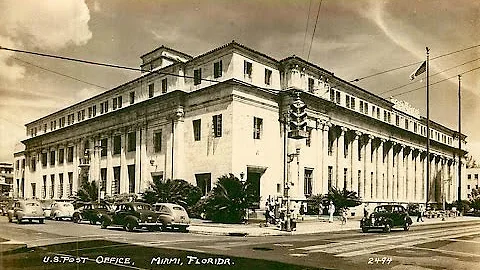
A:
(242, 174)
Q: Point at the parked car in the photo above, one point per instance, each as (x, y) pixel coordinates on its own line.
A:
(131, 216)
(47, 207)
(172, 216)
(5, 206)
(386, 217)
(62, 210)
(26, 210)
(93, 212)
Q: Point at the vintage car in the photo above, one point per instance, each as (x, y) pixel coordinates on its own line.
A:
(26, 210)
(61, 210)
(172, 216)
(93, 212)
(386, 217)
(131, 216)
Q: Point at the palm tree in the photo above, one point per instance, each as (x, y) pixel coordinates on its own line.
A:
(228, 200)
(172, 191)
(88, 191)
(343, 198)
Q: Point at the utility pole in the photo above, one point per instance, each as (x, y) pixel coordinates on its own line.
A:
(459, 142)
(428, 129)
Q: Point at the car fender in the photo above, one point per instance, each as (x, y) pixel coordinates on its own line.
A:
(409, 220)
(131, 218)
(107, 218)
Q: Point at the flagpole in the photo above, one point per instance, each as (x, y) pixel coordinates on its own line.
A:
(428, 129)
(459, 144)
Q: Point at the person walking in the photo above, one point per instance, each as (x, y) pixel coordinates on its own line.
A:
(331, 210)
(420, 214)
(344, 216)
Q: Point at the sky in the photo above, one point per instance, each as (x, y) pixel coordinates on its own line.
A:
(352, 38)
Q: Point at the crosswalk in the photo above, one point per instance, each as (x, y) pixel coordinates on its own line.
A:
(383, 242)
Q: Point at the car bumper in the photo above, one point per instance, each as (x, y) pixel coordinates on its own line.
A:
(31, 217)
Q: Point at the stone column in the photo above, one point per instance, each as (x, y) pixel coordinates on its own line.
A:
(325, 129)
(408, 174)
(380, 170)
(390, 169)
(375, 168)
(424, 160)
(179, 144)
(368, 167)
(354, 165)
(145, 177)
(123, 164)
(340, 157)
(138, 158)
(109, 182)
(417, 176)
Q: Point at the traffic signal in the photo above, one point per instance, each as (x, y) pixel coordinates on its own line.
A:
(297, 119)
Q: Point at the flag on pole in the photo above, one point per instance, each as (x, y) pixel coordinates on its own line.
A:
(421, 69)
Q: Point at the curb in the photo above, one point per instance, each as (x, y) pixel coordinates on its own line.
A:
(11, 246)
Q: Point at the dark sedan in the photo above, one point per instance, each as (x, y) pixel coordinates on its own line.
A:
(93, 212)
(131, 216)
(386, 217)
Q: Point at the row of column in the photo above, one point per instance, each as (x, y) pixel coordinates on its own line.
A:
(381, 169)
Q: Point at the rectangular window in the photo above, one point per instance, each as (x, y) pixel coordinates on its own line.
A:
(311, 83)
(132, 97)
(101, 108)
(151, 90)
(247, 69)
(332, 95)
(52, 186)
(120, 101)
(61, 156)
(197, 129)
(33, 164)
(106, 106)
(116, 180)
(345, 148)
(330, 177)
(359, 180)
(217, 69)
(132, 141)
(268, 76)
(94, 108)
(52, 158)
(44, 187)
(103, 179)
(378, 113)
(157, 140)
(337, 93)
(44, 159)
(114, 105)
(365, 106)
(257, 128)
(406, 123)
(44, 128)
(197, 76)
(217, 125)
(397, 120)
(90, 112)
(476, 176)
(352, 103)
(361, 106)
(60, 185)
(345, 173)
(389, 117)
(347, 101)
(131, 178)
(384, 116)
(34, 190)
(308, 180)
(117, 144)
(70, 154)
(164, 86)
(103, 144)
(373, 110)
(204, 182)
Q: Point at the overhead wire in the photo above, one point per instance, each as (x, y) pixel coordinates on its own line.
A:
(314, 29)
(306, 28)
(412, 64)
(401, 86)
(465, 72)
(58, 73)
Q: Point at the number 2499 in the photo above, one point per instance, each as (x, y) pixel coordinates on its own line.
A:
(384, 260)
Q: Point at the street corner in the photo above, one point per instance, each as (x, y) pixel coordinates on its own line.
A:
(11, 245)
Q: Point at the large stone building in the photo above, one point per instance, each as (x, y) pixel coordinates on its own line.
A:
(197, 118)
(6, 178)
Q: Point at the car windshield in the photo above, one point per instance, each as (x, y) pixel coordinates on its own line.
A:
(32, 204)
(143, 207)
(177, 208)
(380, 210)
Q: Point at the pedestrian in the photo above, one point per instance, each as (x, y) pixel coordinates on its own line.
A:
(344, 216)
(365, 210)
(320, 209)
(420, 214)
(331, 210)
(302, 211)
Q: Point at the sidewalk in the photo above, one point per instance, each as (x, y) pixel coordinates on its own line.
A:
(311, 224)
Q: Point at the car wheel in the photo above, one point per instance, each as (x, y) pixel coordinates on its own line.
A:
(364, 229)
(407, 227)
(19, 221)
(76, 219)
(183, 229)
(104, 224)
(41, 221)
(387, 228)
(93, 222)
(130, 226)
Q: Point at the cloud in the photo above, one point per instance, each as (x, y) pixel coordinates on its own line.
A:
(9, 71)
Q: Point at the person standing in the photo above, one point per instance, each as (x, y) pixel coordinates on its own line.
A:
(344, 216)
(331, 210)
(420, 214)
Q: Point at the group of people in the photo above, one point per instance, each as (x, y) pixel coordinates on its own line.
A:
(276, 212)
(331, 211)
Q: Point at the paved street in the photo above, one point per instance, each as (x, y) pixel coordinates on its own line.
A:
(435, 244)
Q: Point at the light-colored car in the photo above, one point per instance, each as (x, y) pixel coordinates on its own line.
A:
(26, 210)
(172, 216)
(47, 207)
(62, 210)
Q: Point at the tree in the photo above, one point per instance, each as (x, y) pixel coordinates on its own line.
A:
(470, 162)
(88, 191)
(176, 191)
(228, 200)
(343, 198)
(314, 203)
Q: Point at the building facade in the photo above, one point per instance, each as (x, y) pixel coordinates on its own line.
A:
(6, 179)
(472, 182)
(198, 118)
